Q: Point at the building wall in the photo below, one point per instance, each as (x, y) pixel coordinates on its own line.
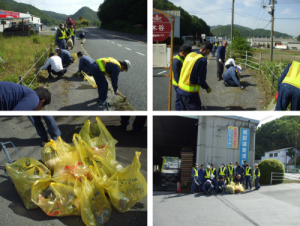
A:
(281, 156)
(212, 145)
(290, 46)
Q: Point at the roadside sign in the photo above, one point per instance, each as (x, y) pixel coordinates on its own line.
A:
(203, 36)
(80, 18)
(8, 14)
(161, 27)
(244, 144)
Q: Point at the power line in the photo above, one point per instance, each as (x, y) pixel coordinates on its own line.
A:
(295, 18)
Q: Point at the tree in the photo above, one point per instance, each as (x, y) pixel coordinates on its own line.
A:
(291, 152)
(238, 42)
(298, 38)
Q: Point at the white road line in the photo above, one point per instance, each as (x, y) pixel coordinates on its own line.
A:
(140, 53)
(119, 45)
(161, 72)
(127, 48)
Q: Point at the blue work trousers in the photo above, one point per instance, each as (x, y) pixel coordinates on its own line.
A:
(189, 103)
(177, 100)
(288, 94)
(207, 187)
(85, 69)
(61, 43)
(194, 185)
(248, 182)
(257, 186)
(231, 82)
(213, 53)
(73, 39)
(100, 81)
(138, 123)
(53, 129)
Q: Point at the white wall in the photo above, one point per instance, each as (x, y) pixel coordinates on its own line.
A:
(281, 156)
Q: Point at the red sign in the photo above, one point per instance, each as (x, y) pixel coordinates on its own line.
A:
(8, 14)
(161, 27)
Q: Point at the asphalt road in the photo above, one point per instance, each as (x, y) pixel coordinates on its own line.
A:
(133, 84)
(22, 133)
(270, 205)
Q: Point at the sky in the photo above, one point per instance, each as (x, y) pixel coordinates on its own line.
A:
(248, 13)
(262, 118)
(67, 7)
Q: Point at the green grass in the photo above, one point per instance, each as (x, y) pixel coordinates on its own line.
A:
(20, 53)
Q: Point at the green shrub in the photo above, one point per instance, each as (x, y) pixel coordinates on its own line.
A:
(266, 167)
(37, 39)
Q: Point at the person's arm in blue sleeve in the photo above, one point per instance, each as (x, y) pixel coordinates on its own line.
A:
(176, 69)
(114, 77)
(223, 53)
(284, 73)
(204, 187)
(28, 103)
(233, 76)
(193, 174)
(201, 69)
(256, 172)
(56, 37)
(80, 64)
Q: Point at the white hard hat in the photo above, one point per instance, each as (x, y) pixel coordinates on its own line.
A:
(128, 64)
(212, 176)
(208, 181)
(208, 166)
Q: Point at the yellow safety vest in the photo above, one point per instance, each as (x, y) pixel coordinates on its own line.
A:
(207, 173)
(63, 34)
(212, 170)
(71, 32)
(196, 172)
(229, 180)
(230, 171)
(222, 171)
(216, 44)
(247, 171)
(258, 175)
(102, 63)
(293, 75)
(185, 74)
(173, 79)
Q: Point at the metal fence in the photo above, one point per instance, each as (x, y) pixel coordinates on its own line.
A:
(283, 177)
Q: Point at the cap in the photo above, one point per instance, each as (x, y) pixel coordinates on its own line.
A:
(57, 49)
(128, 64)
(208, 181)
(186, 48)
(223, 164)
(212, 164)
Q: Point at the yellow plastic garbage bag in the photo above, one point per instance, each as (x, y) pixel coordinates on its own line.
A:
(95, 208)
(70, 42)
(90, 79)
(127, 187)
(74, 57)
(106, 167)
(238, 188)
(56, 196)
(98, 137)
(25, 172)
(49, 155)
(230, 188)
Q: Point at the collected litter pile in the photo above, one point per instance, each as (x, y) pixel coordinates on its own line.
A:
(81, 175)
(235, 188)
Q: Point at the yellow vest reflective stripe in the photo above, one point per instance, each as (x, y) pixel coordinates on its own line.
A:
(102, 63)
(216, 44)
(185, 74)
(173, 79)
(63, 34)
(293, 75)
(230, 180)
(230, 169)
(212, 170)
(222, 171)
(71, 31)
(207, 174)
(196, 172)
(247, 171)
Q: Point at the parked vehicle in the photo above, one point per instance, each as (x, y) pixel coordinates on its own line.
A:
(16, 28)
(70, 22)
(54, 28)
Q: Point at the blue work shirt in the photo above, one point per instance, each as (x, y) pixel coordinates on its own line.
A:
(85, 61)
(201, 174)
(241, 181)
(230, 74)
(214, 48)
(282, 76)
(220, 183)
(240, 170)
(65, 56)
(256, 171)
(113, 70)
(177, 65)
(58, 34)
(15, 97)
(221, 52)
(198, 76)
(207, 186)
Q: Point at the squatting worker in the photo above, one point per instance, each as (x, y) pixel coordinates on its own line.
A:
(231, 77)
(85, 63)
(177, 65)
(289, 88)
(54, 66)
(65, 56)
(15, 97)
(111, 67)
(194, 178)
(192, 76)
(72, 34)
(60, 36)
(221, 60)
(257, 176)
(230, 63)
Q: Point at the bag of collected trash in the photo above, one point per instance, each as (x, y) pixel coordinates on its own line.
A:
(49, 155)
(25, 172)
(230, 188)
(90, 79)
(238, 188)
(56, 196)
(95, 208)
(74, 57)
(127, 187)
(98, 137)
(70, 42)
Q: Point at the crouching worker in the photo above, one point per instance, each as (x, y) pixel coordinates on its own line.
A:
(221, 185)
(208, 187)
(54, 66)
(15, 97)
(84, 63)
(231, 77)
(82, 35)
(111, 67)
(239, 179)
(65, 56)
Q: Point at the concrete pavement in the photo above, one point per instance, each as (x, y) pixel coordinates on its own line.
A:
(270, 205)
(22, 133)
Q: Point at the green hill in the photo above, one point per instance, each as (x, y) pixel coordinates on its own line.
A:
(3, 6)
(56, 16)
(246, 32)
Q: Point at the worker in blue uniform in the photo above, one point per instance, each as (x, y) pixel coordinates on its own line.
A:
(208, 187)
(201, 175)
(207, 173)
(221, 60)
(230, 170)
(65, 56)
(244, 167)
(194, 178)
(257, 176)
(248, 175)
(214, 50)
(229, 179)
(289, 88)
(192, 76)
(231, 78)
(84, 63)
(240, 171)
(177, 65)
(60, 36)
(15, 97)
(213, 171)
(239, 179)
(220, 187)
(222, 171)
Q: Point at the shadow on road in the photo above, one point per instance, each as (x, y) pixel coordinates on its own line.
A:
(90, 105)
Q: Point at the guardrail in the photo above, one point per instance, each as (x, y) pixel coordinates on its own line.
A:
(284, 177)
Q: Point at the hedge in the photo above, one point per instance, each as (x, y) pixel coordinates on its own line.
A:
(266, 167)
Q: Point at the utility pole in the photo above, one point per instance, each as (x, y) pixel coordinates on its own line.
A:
(232, 16)
(272, 27)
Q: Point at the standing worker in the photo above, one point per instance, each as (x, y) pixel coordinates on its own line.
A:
(222, 171)
(213, 172)
(65, 56)
(257, 176)
(230, 169)
(67, 37)
(60, 37)
(194, 178)
(177, 65)
(111, 67)
(207, 173)
(85, 63)
(248, 174)
(192, 76)
(289, 88)
(201, 174)
(72, 35)
(214, 49)
(221, 60)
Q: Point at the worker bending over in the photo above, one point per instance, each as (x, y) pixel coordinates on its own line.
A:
(85, 63)
(54, 66)
(60, 36)
(208, 187)
(65, 56)
(230, 63)
(177, 65)
(231, 77)
(194, 178)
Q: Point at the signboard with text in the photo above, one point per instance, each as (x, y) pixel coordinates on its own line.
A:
(161, 27)
(244, 144)
(232, 138)
(8, 14)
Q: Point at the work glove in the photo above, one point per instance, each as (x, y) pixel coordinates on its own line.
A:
(78, 73)
(208, 90)
(276, 96)
(220, 60)
(242, 87)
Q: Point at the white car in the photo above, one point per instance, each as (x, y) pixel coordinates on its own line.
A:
(54, 28)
